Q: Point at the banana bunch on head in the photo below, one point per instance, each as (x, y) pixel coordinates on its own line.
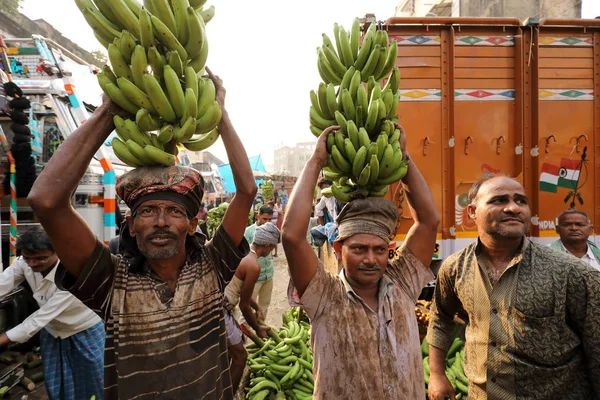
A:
(359, 93)
(157, 51)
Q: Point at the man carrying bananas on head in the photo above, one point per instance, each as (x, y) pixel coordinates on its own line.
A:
(365, 337)
(162, 300)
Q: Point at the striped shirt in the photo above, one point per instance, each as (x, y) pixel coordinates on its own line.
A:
(534, 334)
(158, 344)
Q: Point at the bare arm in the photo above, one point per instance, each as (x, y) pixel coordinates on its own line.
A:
(252, 273)
(234, 221)
(50, 196)
(439, 386)
(302, 260)
(421, 236)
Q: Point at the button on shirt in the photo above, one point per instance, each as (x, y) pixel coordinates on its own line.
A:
(61, 313)
(266, 263)
(362, 353)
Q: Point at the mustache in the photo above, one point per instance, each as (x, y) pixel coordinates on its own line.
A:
(163, 233)
(365, 267)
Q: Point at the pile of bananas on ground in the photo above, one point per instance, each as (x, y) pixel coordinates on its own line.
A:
(157, 52)
(281, 366)
(365, 155)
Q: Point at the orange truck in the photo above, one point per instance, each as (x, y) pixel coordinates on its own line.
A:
(493, 96)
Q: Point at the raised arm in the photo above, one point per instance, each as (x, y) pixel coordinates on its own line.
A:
(50, 196)
(302, 260)
(421, 236)
(236, 216)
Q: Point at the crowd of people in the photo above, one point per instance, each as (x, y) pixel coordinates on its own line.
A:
(155, 318)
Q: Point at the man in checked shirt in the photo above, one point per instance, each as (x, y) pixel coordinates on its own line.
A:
(533, 328)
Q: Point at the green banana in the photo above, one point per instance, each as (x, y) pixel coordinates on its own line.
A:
(199, 62)
(208, 14)
(374, 169)
(395, 136)
(135, 94)
(100, 25)
(165, 14)
(388, 127)
(353, 134)
(380, 192)
(338, 138)
(126, 45)
(390, 60)
(365, 48)
(362, 99)
(363, 137)
(380, 63)
(121, 129)
(330, 99)
(347, 57)
(156, 143)
(157, 61)
(174, 91)
(331, 175)
(390, 162)
(322, 100)
(139, 64)
(125, 16)
(394, 81)
(159, 156)
(371, 64)
(381, 115)
(197, 3)
(119, 97)
(138, 152)
(332, 76)
(372, 150)
(210, 119)
(339, 160)
(347, 78)
(338, 44)
(107, 11)
(355, 38)
(149, 6)
(315, 131)
(350, 150)
(108, 72)
(136, 134)
(372, 116)
(398, 174)
(371, 84)
(341, 121)
(180, 13)
(382, 143)
(348, 105)
(359, 161)
(203, 142)
(146, 29)
(354, 84)
(105, 43)
(191, 80)
(134, 6)
(330, 142)
(158, 98)
(187, 130)
(359, 116)
(322, 73)
(375, 93)
(318, 120)
(167, 38)
(146, 122)
(364, 176)
(123, 153)
(207, 93)
(191, 104)
(314, 101)
(165, 134)
(103, 80)
(394, 108)
(334, 61)
(331, 165)
(174, 61)
(197, 35)
(327, 42)
(339, 195)
(118, 63)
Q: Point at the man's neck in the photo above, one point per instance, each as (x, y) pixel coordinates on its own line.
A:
(578, 249)
(499, 250)
(168, 269)
(368, 293)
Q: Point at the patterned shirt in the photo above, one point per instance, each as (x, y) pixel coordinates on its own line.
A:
(363, 353)
(535, 334)
(158, 344)
(267, 266)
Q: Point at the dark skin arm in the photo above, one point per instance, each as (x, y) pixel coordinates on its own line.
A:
(234, 221)
(302, 260)
(439, 385)
(50, 196)
(422, 234)
(252, 269)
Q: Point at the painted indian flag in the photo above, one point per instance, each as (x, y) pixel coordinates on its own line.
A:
(553, 177)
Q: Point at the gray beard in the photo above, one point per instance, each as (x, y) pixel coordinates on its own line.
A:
(158, 254)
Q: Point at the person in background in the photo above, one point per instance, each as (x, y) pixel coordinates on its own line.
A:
(279, 209)
(533, 325)
(202, 216)
(211, 205)
(325, 210)
(574, 228)
(264, 287)
(283, 194)
(71, 335)
(239, 291)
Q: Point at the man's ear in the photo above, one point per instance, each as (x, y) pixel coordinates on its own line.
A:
(471, 211)
(193, 226)
(129, 221)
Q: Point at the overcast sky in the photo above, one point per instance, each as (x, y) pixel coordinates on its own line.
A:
(265, 51)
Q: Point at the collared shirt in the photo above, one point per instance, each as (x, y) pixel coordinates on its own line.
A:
(161, 345)
(267, 266)
(61, 313)
(363, 353)
(588, 257)
(531, 335)
(326, 203)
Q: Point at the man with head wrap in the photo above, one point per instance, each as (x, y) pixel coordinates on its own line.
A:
(363, 318)
(162, 297)
(239, 291)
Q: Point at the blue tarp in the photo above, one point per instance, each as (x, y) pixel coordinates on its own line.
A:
(256, 164)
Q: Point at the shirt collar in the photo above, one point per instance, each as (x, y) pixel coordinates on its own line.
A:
(590, 253)
(517, 258)
(385, 284)
(52, 273)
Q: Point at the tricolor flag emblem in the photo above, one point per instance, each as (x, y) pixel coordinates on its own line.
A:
(566, 176)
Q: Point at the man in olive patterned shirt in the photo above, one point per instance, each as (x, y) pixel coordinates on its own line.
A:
(533, 326)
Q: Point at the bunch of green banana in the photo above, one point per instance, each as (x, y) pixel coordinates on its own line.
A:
(364, 155)
(157, 52)
(282, 364)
